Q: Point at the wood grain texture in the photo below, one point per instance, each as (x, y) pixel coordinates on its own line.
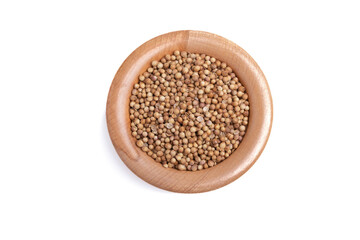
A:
(250, 75)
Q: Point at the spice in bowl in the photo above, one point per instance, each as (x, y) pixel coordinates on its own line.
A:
(189, 111)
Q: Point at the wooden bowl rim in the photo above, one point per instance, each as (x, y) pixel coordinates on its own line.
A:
(117, 114)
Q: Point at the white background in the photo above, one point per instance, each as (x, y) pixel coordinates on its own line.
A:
(60, 177)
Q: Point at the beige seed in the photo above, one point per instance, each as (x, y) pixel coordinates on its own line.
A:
(154, 63)
(188, 111)
(181, 167)
(140, 143)
(178, 75)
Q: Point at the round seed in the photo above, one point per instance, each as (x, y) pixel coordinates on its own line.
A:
(188, 111)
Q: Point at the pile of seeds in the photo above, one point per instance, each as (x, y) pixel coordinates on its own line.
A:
(188, 111)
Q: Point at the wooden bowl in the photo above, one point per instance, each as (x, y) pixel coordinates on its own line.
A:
(249, 150)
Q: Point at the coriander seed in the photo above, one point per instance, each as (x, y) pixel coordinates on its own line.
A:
(188, 111)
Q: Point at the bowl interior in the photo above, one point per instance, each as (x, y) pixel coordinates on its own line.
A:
(240, 160)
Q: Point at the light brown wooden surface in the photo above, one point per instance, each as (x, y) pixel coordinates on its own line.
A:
(239, 162)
